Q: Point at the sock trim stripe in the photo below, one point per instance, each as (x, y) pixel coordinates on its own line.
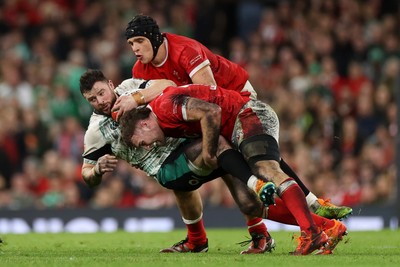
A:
(284, 186)
(192, 221)
(254, 225)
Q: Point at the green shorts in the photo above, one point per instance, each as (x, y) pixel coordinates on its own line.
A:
(175, 173)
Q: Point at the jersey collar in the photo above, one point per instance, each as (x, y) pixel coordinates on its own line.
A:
(166, 54)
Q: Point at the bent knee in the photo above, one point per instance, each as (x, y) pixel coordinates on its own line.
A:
(253, 208)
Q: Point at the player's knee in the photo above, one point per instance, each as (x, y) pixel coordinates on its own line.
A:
(249, 203)
(286, 184)
(251, 208)
(223, 145)
(260, 148)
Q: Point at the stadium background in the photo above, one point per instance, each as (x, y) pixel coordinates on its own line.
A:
(329, 68)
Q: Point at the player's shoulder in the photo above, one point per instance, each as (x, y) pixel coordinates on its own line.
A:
(96, 120)
(101, 129)
(175, 40)
(130, 85)
(173, 36)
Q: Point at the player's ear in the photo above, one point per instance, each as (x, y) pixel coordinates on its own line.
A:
(111, 84)
(144, 124)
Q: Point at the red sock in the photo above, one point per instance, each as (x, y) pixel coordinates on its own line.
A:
(294, 199)
(196, 232)
(256, 225)
(280, 213)
(322, 222)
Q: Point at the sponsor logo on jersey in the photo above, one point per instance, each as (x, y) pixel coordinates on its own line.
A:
(194, 180)
(195, 59)
(176, 74)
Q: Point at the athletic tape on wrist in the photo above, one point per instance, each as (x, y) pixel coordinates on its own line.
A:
(139, 98)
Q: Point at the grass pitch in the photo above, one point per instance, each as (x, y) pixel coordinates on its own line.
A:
(141, 249)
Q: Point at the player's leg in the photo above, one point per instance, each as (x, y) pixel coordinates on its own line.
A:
(191, 209)
(253, 209)
(175, 174)
(334, 229)
(262, 154)
(180, 171)
(261, 241)
(184, 172)
(258, 128)
(319, 206)
(233, 162)
(230, 160)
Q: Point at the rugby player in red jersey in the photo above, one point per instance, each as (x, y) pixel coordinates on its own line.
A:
(186, 61)
(251, 125)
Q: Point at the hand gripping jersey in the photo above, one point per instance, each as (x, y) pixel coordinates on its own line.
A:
(103, 137)
(185, 57)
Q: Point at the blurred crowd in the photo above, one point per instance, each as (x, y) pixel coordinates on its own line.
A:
(330, 69)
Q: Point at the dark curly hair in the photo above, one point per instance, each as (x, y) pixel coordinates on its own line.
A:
(89, 78)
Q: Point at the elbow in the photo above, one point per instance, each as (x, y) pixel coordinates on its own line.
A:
(170, 83)
(216, 112)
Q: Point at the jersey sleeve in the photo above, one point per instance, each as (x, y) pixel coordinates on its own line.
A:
(94, 145)
(193, 58)
(167, 110)
(130, 85)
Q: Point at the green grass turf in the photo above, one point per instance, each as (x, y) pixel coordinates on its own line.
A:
(141, 249)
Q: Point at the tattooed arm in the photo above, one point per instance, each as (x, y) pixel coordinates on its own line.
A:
(209, 116)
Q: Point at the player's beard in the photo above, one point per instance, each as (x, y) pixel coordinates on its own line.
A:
(108, 111)
(113, 100)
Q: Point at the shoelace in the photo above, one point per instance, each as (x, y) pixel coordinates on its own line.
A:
(255, 238)
(181, 242)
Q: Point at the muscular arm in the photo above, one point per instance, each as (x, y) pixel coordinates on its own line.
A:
(89, 175)
(204, 76)
(155, 89)
(209, 116)
(128, 102)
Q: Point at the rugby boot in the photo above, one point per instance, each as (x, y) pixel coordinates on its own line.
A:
(184, 246)
(308, 243)
(266, 192)
(335, 235)
(259, 243)
(330, 211)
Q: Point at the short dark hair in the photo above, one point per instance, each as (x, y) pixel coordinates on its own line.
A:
(89, 78)
(128, 123)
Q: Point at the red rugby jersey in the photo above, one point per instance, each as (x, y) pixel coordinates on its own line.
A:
(185, 57)
(170, 109)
